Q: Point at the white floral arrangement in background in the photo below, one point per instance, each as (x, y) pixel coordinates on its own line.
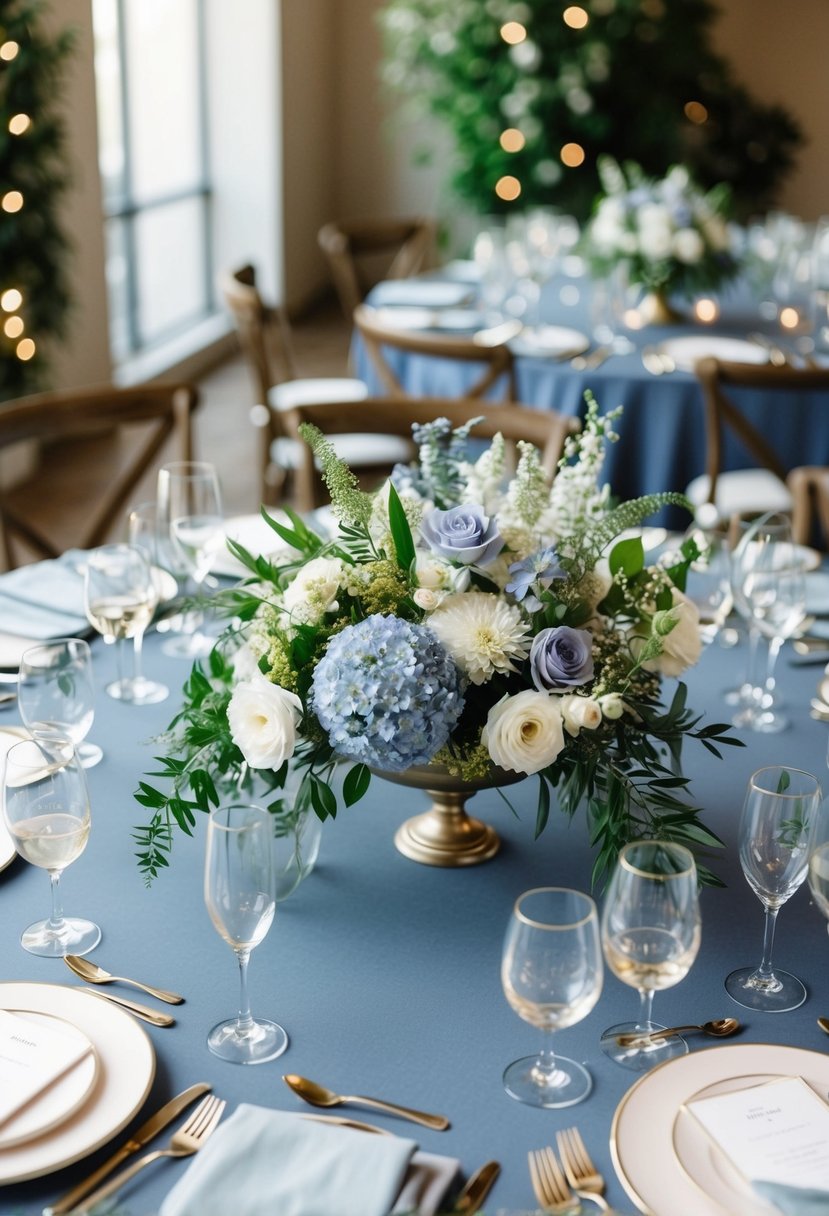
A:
(667, 234)
(461, 618)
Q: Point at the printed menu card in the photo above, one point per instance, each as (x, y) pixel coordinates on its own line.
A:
(32, 1056)
(777, 1131)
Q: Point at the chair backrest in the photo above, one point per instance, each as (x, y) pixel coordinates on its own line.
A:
(361, 252)
(723, 414)
(489, 350)
(263, 329)
(546, 429)
(809, 486)
(143, 419)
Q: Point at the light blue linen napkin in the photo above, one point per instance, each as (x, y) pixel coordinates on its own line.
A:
(45, 599)
(263, 1162)
(794, 1200)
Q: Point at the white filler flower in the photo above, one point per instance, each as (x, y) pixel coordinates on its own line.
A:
(263, 719)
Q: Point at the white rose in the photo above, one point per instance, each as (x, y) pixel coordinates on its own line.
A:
(524, 733)
(688, 246)
(654, 223)
(436, 575)
(427, 599)
(613, 706)
(681, 647)
(579, 713)
(263, 719)
(314, 590)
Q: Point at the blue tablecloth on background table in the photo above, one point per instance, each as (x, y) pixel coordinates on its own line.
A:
(385, 972)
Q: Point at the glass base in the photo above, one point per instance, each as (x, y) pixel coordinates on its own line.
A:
(640, 1059)
(78, 936)
(778, 995)
(528, 1081)
(188, 646)
(263, 1041)
(89, 754)
(137, 692)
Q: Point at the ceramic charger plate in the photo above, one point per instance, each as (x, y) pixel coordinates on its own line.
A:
(685, 350)
(664, 1159)
(126, 1069)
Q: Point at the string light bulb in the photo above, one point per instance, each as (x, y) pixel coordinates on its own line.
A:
(508, 188)
(25, 349)
(695, 112)
(513, 32)
(575, 16)
(19, 124)
(8, 51)
(13, 327)
(11, 299)
(512, 140)
(12, 201)
(572, 155)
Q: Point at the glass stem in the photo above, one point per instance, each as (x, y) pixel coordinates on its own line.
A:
(119, 661)
(244, 1021)
(645, 1007)
(56, 922)
(546, 1067)
(747, 692)
(138, 644)
(774, 650)
(765, 971)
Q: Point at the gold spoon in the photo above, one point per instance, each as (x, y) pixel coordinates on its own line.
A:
(720, 1029)
(823, 1023)
(96, 975)
(318, 1095)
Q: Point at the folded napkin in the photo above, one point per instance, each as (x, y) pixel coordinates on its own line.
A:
(263, 1162)
(45, 599)
(794, 1200)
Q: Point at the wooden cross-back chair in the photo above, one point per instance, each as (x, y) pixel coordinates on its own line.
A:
(362, 251)
(490, 351)
(762, 488)
(545, 429)
(137, 424)
(809, 488)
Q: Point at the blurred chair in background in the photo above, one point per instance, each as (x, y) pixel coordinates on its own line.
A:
(809, 487)
(362, 252)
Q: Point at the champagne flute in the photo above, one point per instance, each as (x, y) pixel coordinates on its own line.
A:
(240, 894)
(650, 934)
(779, 809)
(46, 809)
(190, 512)
(142, 533)
(119, 598)
(56, 694)
(551, 973)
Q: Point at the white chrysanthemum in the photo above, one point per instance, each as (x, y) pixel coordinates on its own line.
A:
(482, 633)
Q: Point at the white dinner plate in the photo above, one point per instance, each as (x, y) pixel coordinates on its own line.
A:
(550, 342)
(406, 318)
(458, 320)
(9, 735)
(685, 350)
(664, 1159)
(423, 293)
(126, 1070)
(256, 536)
(817, 593)
(59, 1100)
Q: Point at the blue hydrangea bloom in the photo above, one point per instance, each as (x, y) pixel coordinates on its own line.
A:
(387, 693)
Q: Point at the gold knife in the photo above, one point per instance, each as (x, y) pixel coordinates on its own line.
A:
(146, 1132)
(140, 1011)
(477, 1188)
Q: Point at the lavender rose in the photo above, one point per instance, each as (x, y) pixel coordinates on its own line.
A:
(464, 534)
(561, 658)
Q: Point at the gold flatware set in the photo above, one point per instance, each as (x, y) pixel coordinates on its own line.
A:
(93, 974)
(560, 1186)
(319, 1095)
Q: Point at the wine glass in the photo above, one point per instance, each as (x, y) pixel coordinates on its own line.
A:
(818, 875)
(651, 935)
(119, 599)
(709, 583)
(779, 808)
(551, 973)
(190, 512)
(142, 534)
(240, 894)
(46, 809)
(56, 694)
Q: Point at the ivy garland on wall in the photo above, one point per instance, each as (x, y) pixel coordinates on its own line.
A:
(534, 91)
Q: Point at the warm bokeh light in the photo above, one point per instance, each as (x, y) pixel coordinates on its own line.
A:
(25, 349)
(508, 188)
(19, 123)
(11, 300)
(512, 140)
(576, 17)
(696, 112)
(12, 201)
(706, 311)
(8, 51)
(513, 32)
(14, 327)
(633, 319)
(789, 318)
(572, 155)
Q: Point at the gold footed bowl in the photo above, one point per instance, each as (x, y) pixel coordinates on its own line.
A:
(654, 309)
(445, 835)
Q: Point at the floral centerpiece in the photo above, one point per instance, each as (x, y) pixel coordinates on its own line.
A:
(458, 618)
(667, 235)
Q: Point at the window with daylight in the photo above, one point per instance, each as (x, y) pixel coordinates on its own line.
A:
(150, 68)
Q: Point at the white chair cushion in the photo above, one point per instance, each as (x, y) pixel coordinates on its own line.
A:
(742, 491)
(325, 388)
(358, 451)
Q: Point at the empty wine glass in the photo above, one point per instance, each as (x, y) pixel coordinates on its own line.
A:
(190, 512)
(551, 973)
(56, 694)
(709, 583)
(142, 534)
(119, 599)
(46, 809)
(778, 812)
(819, 858)
(240, 894)
(650, 934)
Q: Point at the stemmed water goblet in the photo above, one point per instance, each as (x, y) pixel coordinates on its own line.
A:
(778, 813)
(56, 694)
(47, 813)
(189, 507)
(240, 894)
(650, 935)
(119, 599)
(551, 973)
(142, 534)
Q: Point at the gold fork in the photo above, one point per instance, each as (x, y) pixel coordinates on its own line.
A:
(581, 1173)
(188, 1139)
(549, 1184)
